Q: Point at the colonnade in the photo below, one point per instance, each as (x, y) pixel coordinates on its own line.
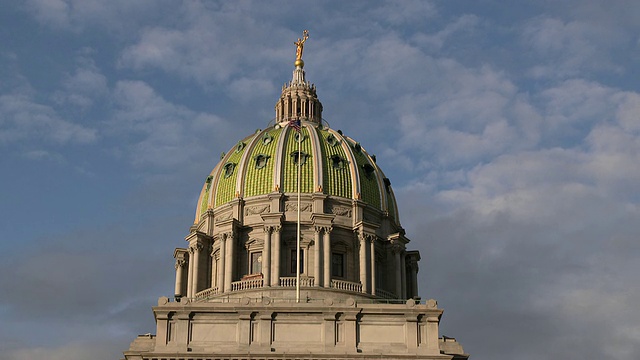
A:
(222, 261)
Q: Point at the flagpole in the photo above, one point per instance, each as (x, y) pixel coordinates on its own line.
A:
(298, 221)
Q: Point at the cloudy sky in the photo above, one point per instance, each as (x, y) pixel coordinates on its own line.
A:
(510, 131)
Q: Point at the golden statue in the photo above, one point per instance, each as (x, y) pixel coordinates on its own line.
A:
(300, 45)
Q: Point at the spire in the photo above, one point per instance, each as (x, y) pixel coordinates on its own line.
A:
(298, 100)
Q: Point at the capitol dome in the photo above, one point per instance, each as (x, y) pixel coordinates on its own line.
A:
(266, 162)
(296, 183)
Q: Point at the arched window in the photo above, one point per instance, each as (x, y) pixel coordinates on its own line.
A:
(228, 169)
(303, 157)
(261, 160)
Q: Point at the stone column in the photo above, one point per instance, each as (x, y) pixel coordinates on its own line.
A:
(266, 257)
(228, 269)
(362, 246)
(403, 269)
(316, 256)
(190, 291)
(221, 265)
(413, 266)
(275, 268)
(180, 264)
(214, 267)
(372, 254)
(398, 264)
(197, 248)
(326, 245)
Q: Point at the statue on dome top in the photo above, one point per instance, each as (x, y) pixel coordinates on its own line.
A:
(300, 44)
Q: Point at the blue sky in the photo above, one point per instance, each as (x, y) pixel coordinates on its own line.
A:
(510, 132)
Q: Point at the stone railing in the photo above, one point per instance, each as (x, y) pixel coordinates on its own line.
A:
(385, 294)
(206, 293)
(246, 284)
(291, 281)
(346, 285)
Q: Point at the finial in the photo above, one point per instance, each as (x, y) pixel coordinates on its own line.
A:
(300, 48)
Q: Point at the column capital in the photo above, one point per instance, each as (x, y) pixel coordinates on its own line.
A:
(180, 263)
(272, 228)
(198, 246)
(397, 248)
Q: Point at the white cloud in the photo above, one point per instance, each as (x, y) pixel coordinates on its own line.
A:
(566, 49)
(161, 134)
(22, 118)
(201, 50)
(466, 23)
(76, 15)
(82, 88)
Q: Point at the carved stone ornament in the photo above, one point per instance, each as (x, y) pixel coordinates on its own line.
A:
(341, 211)
(257, 210)
(224, 217)
(180, 263)
(304, 207)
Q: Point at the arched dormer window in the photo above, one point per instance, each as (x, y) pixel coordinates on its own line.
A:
(387, 184)
(239, 146)
(331, 140)
(209, 180)
(261, 160)
(228, 169)
(368, 170)
(338, 162)
(267, 139)
(303, 157)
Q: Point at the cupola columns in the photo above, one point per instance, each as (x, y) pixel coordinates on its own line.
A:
(298, 100)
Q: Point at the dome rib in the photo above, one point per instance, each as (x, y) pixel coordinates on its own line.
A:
(371, 186)
(225, 190)
(318, 173)
(353, 164)
(242, 165)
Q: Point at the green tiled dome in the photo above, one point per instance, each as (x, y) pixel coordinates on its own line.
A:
(265, 162)
(331, 164)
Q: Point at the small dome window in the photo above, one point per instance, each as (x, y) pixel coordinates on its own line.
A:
(222, 154)
(240, 146)
(357, 147)
(209, 179)
(387, 184)
(338, 162)
(303, 157)
(228, 169)
(368, 170)
(267, 139)
(261, 160)
(331, 140)
(298, 137)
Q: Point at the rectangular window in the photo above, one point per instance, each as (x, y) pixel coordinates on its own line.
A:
(256, 262)
(294, 260)
(337, 265)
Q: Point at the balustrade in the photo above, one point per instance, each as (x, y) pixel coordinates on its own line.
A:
(291, 281)
(206, 293)
(346, 285)
(246, 284)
